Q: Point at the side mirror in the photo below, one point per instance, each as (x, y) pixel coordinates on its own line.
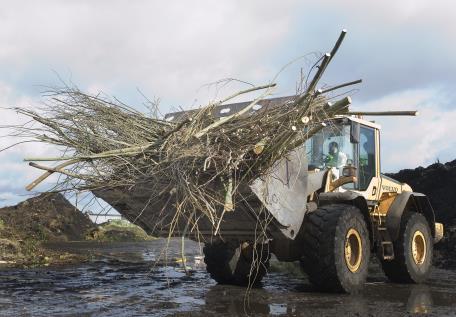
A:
(349, 171)
(348, 176)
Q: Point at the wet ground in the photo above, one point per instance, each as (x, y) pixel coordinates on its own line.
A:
(121, 280)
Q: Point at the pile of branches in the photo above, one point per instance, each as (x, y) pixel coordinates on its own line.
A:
(200, 160)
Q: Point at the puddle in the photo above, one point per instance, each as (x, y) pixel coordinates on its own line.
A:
(123, 281)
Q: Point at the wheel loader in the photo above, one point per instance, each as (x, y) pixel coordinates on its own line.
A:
(326, 205)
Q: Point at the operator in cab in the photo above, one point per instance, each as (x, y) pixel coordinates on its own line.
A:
(335, 157)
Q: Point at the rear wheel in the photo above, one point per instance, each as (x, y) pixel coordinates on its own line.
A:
(236, 263)
(413, 251)
(336, 248)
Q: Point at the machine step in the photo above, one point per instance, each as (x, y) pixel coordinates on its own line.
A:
(387, 250)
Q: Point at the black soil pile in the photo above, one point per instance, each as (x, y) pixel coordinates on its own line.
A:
(48, 217)
(438, 182)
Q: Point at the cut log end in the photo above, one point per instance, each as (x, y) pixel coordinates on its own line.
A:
(258, 149)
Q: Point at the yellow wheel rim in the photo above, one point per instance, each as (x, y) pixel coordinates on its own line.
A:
(418, 247)
(353, 250)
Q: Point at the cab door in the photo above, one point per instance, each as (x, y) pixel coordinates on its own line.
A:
(368, 162)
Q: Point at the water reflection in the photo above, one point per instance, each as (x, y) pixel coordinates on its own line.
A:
(385, 299)
(420, 300)
(235, 301)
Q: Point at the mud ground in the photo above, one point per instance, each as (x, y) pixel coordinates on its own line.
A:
(122, 280)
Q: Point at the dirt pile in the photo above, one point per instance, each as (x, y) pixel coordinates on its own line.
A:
(446, 250)
(438, 182)
(51, 218)
(48, 217)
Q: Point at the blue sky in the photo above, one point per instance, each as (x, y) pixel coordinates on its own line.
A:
(403, 50)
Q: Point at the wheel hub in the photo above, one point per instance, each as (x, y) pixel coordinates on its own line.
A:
(418, 247)
(353, 250)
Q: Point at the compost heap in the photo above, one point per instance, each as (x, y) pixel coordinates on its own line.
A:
(438, 182)
(199, 161)
(47, 217)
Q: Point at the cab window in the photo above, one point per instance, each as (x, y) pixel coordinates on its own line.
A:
(330, 148)
(366, 156)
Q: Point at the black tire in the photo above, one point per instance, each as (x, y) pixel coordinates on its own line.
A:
(404, 268)
(325, 233)
(229, 263)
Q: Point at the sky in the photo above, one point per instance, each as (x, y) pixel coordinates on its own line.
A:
(175, 50)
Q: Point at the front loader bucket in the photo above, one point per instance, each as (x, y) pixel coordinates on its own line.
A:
(281, 196)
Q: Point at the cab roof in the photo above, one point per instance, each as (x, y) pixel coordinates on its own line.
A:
(361, 121)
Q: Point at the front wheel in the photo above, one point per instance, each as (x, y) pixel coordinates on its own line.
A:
(413, 251)
(336, 248)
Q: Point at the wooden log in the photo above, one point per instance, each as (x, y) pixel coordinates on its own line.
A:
(57, 170)
(340, 105)
(324, 64)
(338, 43)
(259, 147)
(324, 91)
(48, 173)
(412, 113)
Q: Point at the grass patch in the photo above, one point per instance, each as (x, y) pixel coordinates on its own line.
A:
(118, 230)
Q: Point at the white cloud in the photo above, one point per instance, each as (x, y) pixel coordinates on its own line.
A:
(171, 48)
(15, 174)
(7, 198)
(408, 142)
